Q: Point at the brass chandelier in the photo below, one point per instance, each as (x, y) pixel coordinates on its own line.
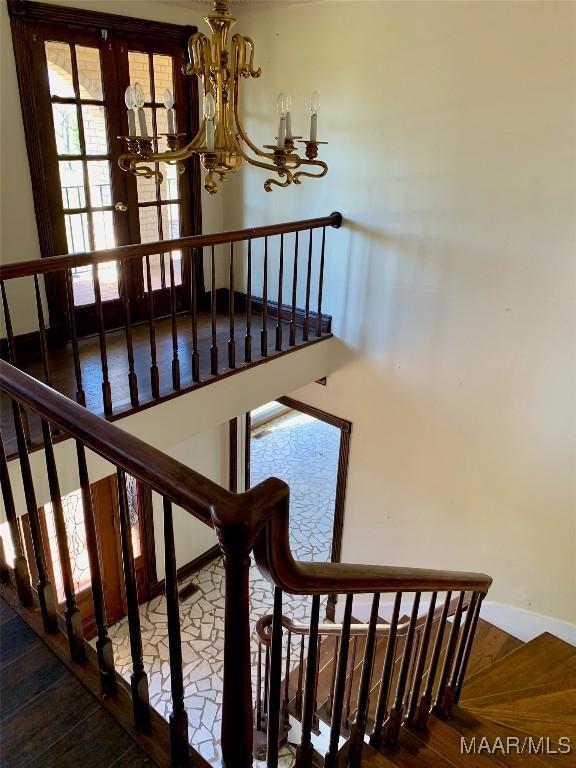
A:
(221, 143)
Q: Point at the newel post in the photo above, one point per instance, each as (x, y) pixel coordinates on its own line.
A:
(237, 528)
(236, 543)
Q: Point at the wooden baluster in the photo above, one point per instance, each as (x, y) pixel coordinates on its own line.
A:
(4, 567)
(266, 680)
(21, 572)
(419, 669)
(450, 694)
(138, 679)
(449, 658)
(333, 679)
(259, 689)
(154, 374)
(305, 750)
(361, 720)
(42, 329)
(12, 357)
(194, 256)
(350, 683)
(397, 710)
(71, 613)
(275, 682)
(44, 587)
(338, 699)
(231, 310)
(174, 326)
(294, 294)
(132, 378)
(469, 641)
(308, 282)
(106, 391)
(387, 671)
(178, 717)
(280, 281)
(213, 299)
(248, 338)
(264, 331)
(286, 700)
(320, 286)
(80, 396)
(426, 700)
(318, 652)
(298, 699)
(104, 649)
(410, 683)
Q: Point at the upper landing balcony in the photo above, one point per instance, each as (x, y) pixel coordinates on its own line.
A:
(87, 325)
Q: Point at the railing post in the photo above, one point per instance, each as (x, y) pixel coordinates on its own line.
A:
(236, 539)
(21, 572)
(45, 589)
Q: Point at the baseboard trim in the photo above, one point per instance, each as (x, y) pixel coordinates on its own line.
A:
(526, 625)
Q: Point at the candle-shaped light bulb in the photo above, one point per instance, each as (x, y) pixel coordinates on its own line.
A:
(169, 104)
(314, 109)
(130, 101)
(139, 104)
(281, 104)
(209, 108)
(289, 107)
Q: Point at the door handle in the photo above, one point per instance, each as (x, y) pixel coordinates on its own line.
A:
(121, 207)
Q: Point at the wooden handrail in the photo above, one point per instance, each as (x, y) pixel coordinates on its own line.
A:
(274, 558)
(264, 625)
(126, 252)
(200, 496)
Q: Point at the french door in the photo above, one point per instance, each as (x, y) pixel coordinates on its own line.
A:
(79, 76)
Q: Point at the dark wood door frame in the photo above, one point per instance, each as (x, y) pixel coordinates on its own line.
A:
(24, 16)
(345, 428)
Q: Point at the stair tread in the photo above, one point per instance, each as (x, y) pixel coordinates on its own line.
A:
(490, 644)
(412, 752)
(469, 725)
(552, 715)
(441, 738)
(494, 699)
(544, 659)
(370, 758)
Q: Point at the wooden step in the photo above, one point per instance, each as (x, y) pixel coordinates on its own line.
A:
(546, 659)
(547, 714)
(470, 725)
(495, 699)
(490, 645)
(370, 758)
(412, 752)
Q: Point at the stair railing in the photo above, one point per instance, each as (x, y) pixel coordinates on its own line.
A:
(426, 675)
(252, 522)
(236, 518)
(271, 301)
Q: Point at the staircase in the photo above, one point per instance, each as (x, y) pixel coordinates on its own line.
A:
(399, 690)
(517, 705)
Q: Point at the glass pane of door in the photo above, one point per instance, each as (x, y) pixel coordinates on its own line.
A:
(79, 115)
(159, 205)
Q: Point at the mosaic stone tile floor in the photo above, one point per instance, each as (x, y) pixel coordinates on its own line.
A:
(303, 452)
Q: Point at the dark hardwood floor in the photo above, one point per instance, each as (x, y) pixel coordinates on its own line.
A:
(62, 363)
(47, 718)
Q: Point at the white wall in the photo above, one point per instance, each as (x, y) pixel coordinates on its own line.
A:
(18, 231)
(452, 130)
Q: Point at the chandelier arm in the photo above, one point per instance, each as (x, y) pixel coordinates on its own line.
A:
(307, 174)
(281, 170)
